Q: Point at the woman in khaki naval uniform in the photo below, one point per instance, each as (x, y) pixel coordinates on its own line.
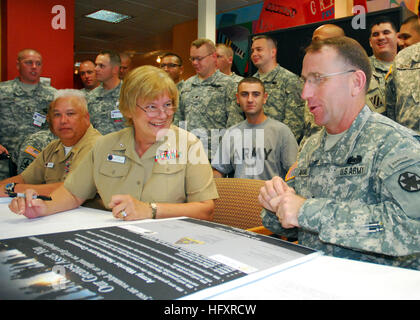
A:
(151, 169)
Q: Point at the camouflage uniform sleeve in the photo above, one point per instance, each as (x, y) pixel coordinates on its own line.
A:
(295, 108)
(390, 94)
(390, 227)
(271, 222)
(234, 112)
(179, 114)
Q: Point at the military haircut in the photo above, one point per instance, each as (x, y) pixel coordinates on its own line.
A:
(22, 52)
(252, 80)
(414, 21)
(146, 83)
(379, 20)
(206, 42)
(349, 49)
(226, 49)
(171, 54)
(269, 39)
(114, 57)
(76, 97)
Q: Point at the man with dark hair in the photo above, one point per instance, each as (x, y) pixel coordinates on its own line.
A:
(104, 100)
(284, 103)
(258, 147)
(383, 41)
(355, 190)
(403, 88)
(409, 32)
(172, 64)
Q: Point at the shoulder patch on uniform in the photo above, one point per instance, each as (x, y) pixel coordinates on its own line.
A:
(409, 182)
(291, 173)
(32, 151)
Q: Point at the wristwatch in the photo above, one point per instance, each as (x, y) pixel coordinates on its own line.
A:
(154, 209)
(10, 187)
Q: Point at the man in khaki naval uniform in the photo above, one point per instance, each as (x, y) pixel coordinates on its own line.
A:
(69, 121)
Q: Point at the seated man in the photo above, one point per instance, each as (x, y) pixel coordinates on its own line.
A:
(258, 147)
(69, 121)
(355, 192)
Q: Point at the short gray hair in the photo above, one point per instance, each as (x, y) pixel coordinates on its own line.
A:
(71, 93)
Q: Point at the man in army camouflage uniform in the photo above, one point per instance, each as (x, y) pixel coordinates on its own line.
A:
(207, 102)
(355, 190)
(324, 31)
(384, 42)
(103, 101)
(23, 105)
(283, 87)
(403, 88)
(225, 60)
(87, 74)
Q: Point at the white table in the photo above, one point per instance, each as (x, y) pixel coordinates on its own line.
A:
(321, 277)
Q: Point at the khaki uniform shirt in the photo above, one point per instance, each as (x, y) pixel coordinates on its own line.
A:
(174, 170)
(52, 165)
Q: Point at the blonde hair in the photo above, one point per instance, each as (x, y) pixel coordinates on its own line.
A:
(146, 83)
(206, 42)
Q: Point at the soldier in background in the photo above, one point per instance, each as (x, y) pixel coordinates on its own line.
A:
(383, 40)
(403, 88)
(87, 74)
(283, 87)
(207, 100)
(103, 101)
(225, 61)
(353, 193)
(172, 64)
(23, 105)
(125, 66)
(409, 32)
(327, 31)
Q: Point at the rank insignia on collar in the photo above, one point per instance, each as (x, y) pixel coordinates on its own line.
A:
(409, 182)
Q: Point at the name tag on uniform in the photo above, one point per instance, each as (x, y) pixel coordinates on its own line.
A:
(116, 114)
(352, 171)
(116, 158)
(39, 119)
(49, 165)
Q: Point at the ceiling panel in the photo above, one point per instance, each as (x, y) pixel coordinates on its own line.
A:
(148, 30)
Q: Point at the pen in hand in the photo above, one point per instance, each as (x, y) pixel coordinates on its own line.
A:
(22, 195)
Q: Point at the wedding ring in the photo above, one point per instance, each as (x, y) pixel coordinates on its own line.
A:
(123, 213)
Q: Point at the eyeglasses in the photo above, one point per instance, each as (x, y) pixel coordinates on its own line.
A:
(316, 78)
(153, 111)
(169, 65)
(192, 59)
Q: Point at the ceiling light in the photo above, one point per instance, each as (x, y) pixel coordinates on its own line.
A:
(108, 16)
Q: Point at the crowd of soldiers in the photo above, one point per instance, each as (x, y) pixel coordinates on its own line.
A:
(216, 99)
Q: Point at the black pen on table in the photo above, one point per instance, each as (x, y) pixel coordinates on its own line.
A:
(22, 195)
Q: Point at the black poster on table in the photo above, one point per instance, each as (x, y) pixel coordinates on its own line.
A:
(144, 261)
